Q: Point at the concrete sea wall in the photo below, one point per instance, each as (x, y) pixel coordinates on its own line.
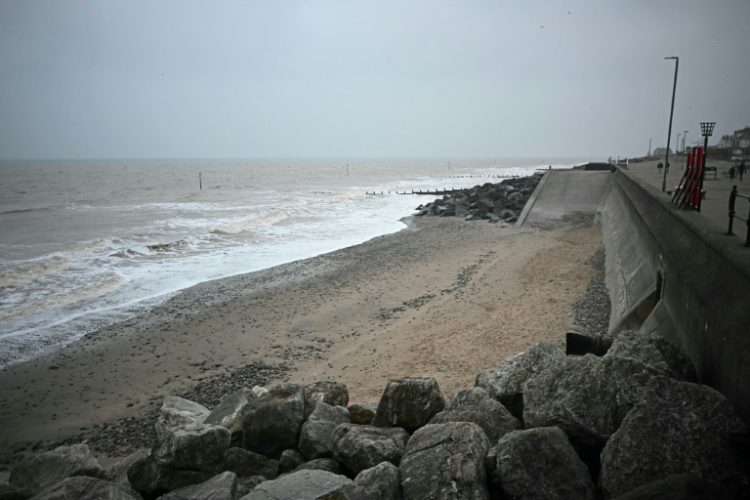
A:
(669, 271)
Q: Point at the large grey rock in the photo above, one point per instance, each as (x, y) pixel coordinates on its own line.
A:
(10, 492)
(409, 403)
(246, 463)
(445, 461)
(362, 413)
(506, 382)
(654, 351)
(326, 391)
(679, 487)
(151, 478)
(326, 464)
(474, 405)
(119, 472)
(177, 412)
(230, 413)
(247, 484)
(360, 447)
(541, 464)
(193, 447)
(45, 469)
(676, 428)
(300, 485)
(316, 437)
(86, 488)
(290, 460)
(382, 482)
(586, 397)
(219, 487)
(273, 421)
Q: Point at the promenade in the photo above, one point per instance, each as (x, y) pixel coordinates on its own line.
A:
(715, 206)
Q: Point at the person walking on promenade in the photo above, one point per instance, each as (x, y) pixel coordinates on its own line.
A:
(731, 172)
(741, 169)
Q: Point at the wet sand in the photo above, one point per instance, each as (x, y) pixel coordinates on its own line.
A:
(444, 297)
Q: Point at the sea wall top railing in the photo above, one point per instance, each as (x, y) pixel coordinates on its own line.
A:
(733, 214)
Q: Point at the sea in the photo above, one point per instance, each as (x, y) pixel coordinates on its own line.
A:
(84, 244)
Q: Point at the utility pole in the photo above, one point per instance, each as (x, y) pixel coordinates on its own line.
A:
(649, 147)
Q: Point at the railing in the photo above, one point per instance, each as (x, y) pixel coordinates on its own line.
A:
(733, 215)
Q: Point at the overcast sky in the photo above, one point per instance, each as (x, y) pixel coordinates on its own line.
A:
(379, 78)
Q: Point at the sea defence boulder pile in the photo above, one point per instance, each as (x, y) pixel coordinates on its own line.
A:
(631, 423)
(494, 202)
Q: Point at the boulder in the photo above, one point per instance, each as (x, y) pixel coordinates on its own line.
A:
(515, 196)
(152, 478)
(541, 463)
(246, 463)
(654, 351)
(409, 403)
(508, 215)
(445, 461)
(326, 464)
(360, 447)
(193, 447)
(587, 397)
(220, 487)
(246, 484)
(10, 492)
(382, 482)
(290, 460)
(362, 414)
(316, 437)
(273, 421)
(230, 413)
(505, 383)
(176, 412)
(676, 428)
(304, 484)
(326, 391)
(119, 472)
(474, 405)
(461, 212)
(39, 471)
(259, 391)
(678, 487)
(87, 488)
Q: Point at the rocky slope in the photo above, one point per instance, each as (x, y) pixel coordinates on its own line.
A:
(629, 424)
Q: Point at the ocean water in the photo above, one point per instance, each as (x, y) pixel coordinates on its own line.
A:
(87, 243)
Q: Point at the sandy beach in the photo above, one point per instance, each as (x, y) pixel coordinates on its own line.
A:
(443, 297)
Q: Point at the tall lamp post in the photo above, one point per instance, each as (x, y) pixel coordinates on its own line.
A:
(671, 114)
(707, 129)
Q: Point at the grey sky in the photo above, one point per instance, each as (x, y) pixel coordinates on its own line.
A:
(308, 78)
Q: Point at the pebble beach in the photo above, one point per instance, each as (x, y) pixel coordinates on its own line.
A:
(444, 297)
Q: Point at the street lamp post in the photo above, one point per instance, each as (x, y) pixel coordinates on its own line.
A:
(684, 137)
(671, 114)
(707, 129)
(677, 145)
